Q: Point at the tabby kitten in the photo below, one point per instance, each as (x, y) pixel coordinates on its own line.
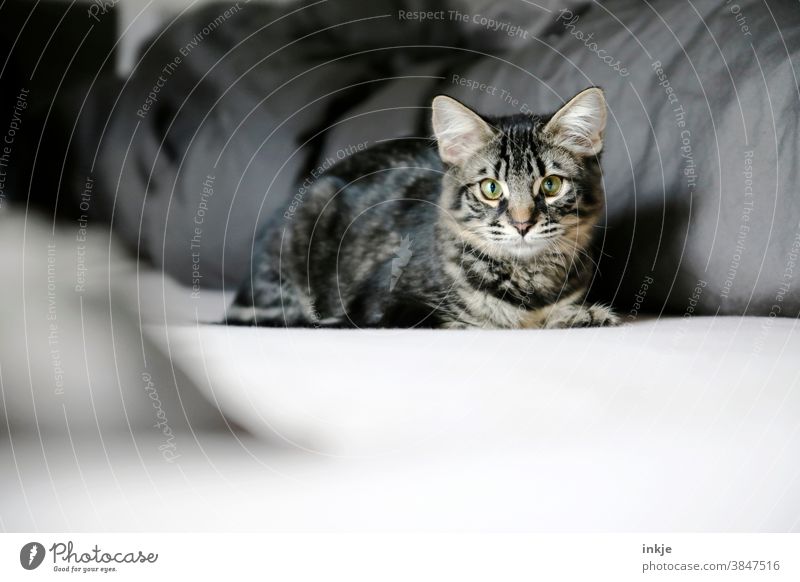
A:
(492, 230)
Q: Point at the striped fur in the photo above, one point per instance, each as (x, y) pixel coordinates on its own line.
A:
(400, 235)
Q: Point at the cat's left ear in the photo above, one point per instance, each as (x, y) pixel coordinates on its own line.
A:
(578, 126)
(460, 132)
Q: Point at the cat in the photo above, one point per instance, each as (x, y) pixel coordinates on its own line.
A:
(491, 227)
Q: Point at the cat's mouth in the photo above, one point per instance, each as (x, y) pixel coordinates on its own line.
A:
(530, 243)
(534, 236)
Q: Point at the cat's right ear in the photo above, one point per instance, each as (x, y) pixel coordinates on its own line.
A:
(579, 125)
(460, 132)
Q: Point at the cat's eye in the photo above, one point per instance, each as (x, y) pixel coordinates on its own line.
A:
(551, 186)
(492, 189)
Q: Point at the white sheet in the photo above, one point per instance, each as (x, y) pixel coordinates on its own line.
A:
(687, 425)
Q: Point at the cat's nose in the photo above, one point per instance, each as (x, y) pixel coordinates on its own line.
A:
(522, 227)
(521, 219)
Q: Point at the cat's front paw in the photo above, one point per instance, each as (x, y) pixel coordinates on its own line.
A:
(602, 316)
(582, 316)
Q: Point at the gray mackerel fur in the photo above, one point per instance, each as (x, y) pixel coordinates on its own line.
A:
(401, 234)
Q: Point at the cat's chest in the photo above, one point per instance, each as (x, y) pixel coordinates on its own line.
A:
(514, 280)
(501, 294)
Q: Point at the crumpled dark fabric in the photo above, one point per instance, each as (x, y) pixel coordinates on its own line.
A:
(700, 159)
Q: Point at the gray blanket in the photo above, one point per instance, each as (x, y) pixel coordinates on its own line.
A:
(231, 109)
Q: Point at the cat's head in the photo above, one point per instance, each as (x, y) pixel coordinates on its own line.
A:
(516, 185)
